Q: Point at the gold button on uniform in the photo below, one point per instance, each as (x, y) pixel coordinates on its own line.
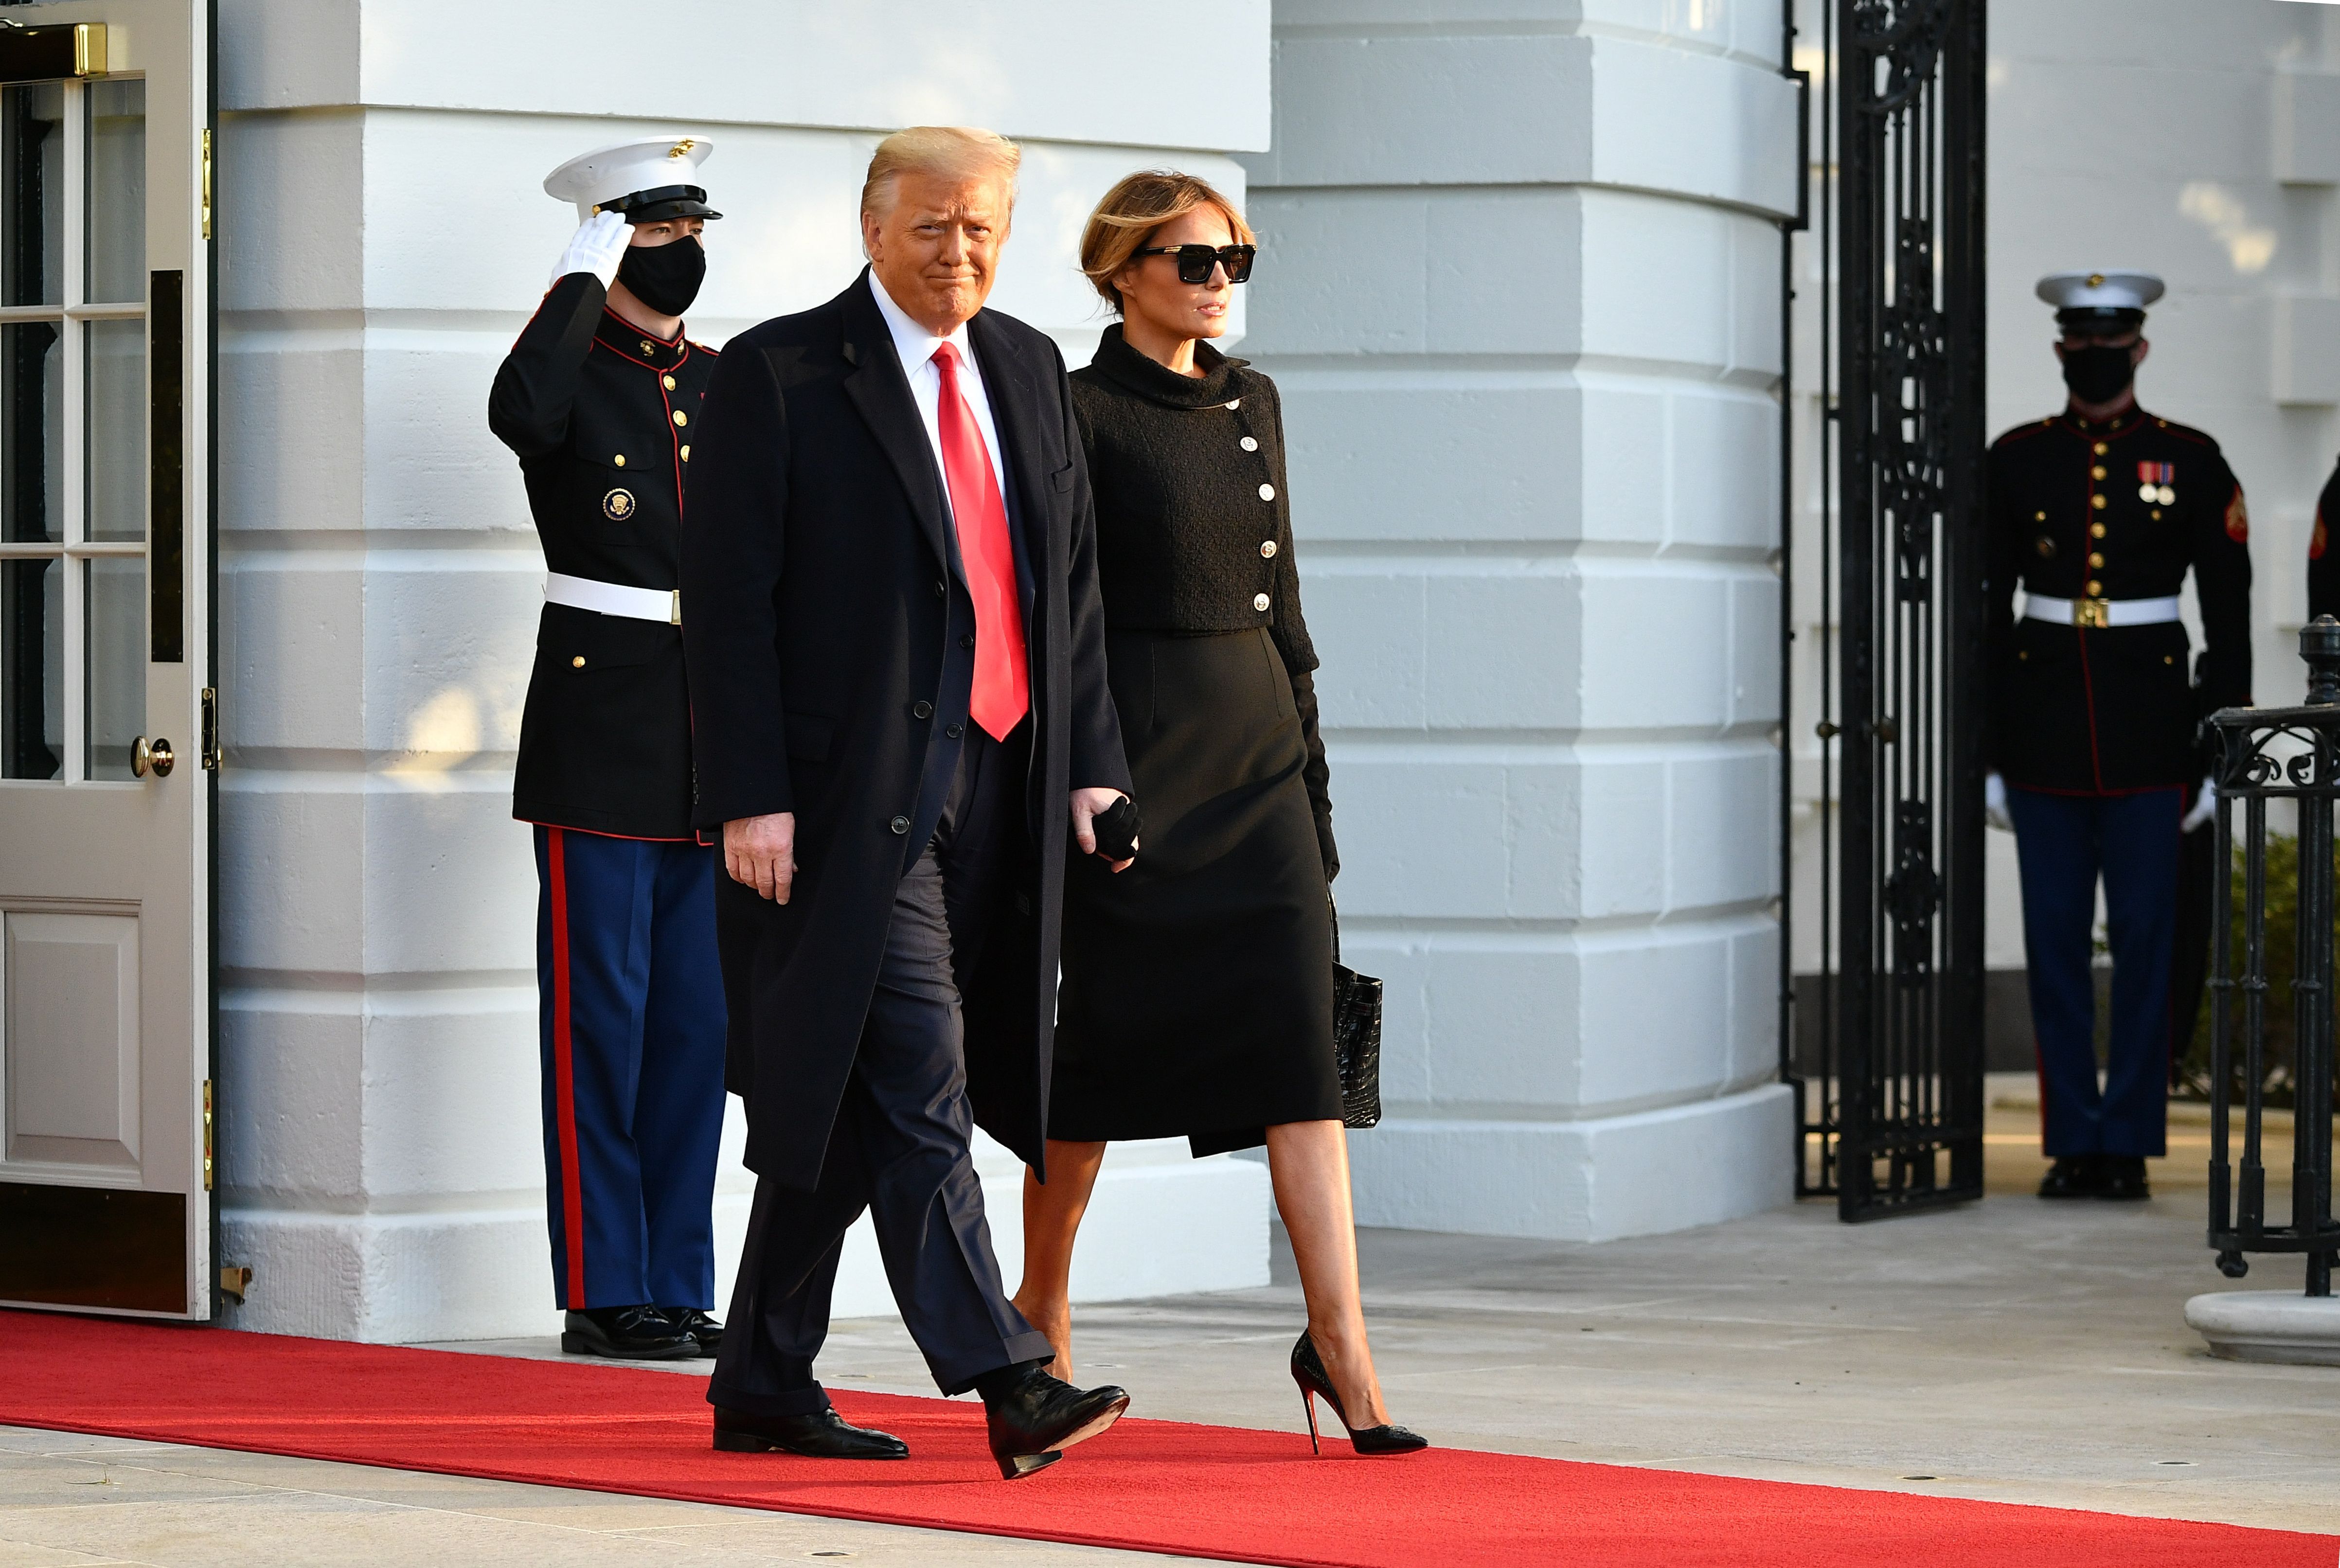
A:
(1267, 492)
(680, 416)
(669, 386)
(2095, 588)
(685, 451)
(2097, 529)
(1250, 443)
(649, 347)
(1268, 547)
(2094, 561)
(2095, 472)
(2101, 449)
(2039, 517)
(619, 459)
(578, 662)
(1259, 601)
(2096, 500)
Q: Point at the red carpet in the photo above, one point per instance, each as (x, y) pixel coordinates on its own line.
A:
(1155, 1485)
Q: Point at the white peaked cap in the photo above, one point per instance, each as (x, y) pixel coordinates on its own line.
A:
(2100, 291)
(607, 175)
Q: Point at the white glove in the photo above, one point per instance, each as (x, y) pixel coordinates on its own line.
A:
(597, 247)
(2204, 804)
(1994, 803)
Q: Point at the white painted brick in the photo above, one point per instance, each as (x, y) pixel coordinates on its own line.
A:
(1654, 647)
(1718, 852)
(1370, 630)
(1507, 1023)
(1656, 1013)
(1420, 838)
(1378, 454)
(1504, 647)
(1623, 836)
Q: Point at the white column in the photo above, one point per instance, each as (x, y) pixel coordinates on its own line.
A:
(1521, 286)
(384, 238)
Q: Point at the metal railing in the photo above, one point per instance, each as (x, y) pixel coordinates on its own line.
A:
(2268, 755)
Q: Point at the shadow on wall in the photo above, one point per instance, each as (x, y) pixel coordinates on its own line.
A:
(2007, 1044)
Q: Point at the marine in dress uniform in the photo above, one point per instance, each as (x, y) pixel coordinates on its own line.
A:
(2098, 514)
(597, 403)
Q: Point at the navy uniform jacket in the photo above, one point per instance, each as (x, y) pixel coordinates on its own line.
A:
(602, 415)
(2323, 566)
(2103, 711)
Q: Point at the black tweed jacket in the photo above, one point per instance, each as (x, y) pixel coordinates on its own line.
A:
(1194, 528)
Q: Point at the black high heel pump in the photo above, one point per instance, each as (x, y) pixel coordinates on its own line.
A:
(1308, 1372)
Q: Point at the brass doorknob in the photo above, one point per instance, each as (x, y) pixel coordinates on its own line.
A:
(151, 756)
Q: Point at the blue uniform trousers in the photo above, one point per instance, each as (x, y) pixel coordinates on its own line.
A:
(2064, 842)
(630, 1015)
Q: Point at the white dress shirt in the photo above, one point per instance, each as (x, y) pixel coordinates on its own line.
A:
(917, 347)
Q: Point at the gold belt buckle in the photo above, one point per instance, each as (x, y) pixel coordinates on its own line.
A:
(2095, 613)
(674, 607)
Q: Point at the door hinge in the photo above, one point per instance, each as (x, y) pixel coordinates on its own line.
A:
(211, 750)
(234, 1280)
(207, 184)
(207, 1135)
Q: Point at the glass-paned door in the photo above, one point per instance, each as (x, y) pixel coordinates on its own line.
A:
(105, 593)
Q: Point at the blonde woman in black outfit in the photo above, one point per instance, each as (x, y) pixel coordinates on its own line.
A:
(1197, 990)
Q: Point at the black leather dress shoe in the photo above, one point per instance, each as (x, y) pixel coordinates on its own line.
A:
(2121, 1177)
(1036, 1417)
(822, 1434)
(2073, 1175)
(626, 1334)
(696, 1323)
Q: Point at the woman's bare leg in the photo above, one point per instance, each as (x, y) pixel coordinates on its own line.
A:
(1052, 1219)
(1309, 1163)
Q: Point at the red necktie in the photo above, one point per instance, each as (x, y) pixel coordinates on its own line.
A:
(1003, 692)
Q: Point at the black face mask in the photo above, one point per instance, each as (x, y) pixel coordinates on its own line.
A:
(665, 277)
(2099, 372)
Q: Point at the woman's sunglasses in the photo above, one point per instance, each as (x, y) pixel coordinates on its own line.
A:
(1196, 261)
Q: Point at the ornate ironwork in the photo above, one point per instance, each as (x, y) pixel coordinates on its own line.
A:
(2290, 755)
(1892, 1097)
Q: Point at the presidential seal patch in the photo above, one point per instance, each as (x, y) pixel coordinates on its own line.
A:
(618, 505)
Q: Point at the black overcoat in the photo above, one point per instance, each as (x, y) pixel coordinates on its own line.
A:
(598, 413)
(823, 614)
(2117, 510)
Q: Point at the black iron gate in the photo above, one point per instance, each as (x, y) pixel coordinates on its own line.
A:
(1891, 1083)
(2288, 756)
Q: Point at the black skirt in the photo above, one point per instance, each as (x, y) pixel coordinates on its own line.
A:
(1196, 996)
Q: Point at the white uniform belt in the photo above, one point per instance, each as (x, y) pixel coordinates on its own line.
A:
(2100, 611)
(634, 603)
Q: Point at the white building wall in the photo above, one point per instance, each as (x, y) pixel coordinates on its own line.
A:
(2198, 141)
(1520, 285)
(383, 239)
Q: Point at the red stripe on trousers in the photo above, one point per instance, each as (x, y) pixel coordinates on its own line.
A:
(564, 1081)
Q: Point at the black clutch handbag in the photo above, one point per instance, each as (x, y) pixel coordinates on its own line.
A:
(1356, 1038)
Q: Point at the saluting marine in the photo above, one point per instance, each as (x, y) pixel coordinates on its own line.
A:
(2098, 512)
(597, 397)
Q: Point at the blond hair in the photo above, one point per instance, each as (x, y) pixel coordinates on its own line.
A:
(952, 152)
(1133, 209)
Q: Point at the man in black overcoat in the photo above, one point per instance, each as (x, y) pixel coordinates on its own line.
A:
(900, 716)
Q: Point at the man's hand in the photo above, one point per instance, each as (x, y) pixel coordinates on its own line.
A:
(761, 852)
(1086, 804)
(597, 247)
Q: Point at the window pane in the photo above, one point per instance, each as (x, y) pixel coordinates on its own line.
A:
(117, 448)
(31, 669)
(32, 435)
(114, 619)
(32, 188)
(117, 191)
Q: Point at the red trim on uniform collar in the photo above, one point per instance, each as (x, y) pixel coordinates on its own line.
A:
(643, 331)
